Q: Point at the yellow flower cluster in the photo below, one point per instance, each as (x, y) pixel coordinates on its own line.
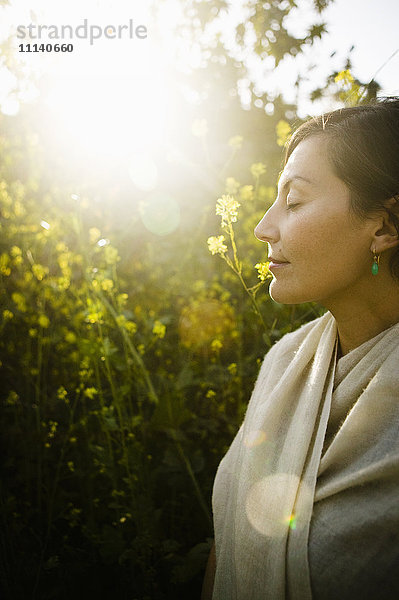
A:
(258, 169)
(215, 244)
(62, 393)
(283, 132)
(247, 192)
(236, 141)
(39, 271)
(216, 345)
(90, 392)
(263, 270)
(226, 207)
(43, 321)
(4, 261)
(19, 301)
(95, 312)
(159, 329)
(232, 185)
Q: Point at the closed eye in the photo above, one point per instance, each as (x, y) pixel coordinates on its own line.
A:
(291, 203)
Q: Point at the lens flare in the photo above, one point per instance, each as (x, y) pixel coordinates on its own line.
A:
(270, 501)
(160, 214)
(203, 321)
(253, 438)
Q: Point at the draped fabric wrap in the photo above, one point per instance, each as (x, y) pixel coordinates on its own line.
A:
(306, 501)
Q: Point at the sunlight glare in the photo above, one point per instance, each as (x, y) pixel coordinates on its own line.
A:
(110, 98)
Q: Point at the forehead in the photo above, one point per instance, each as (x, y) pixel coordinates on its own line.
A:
(309, 161)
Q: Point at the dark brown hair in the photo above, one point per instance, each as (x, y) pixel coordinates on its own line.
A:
(363, 147)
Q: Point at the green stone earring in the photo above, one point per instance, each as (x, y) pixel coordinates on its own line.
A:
(376, 262)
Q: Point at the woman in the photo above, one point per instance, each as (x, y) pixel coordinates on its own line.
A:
(306, 500)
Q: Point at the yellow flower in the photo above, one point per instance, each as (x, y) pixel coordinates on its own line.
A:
(344, 76)
(7, 315)
(63, 283)
(70, 337)
(232, 185)
(90, 392)
(52, 429)
(215, 244)
(15, 251)
(19, 209)
(4, 260)
(43, 321)
(216, 345)
(39, 271)
(258, 169)
(263, 270)
(159, 329)
(107, 285)
(94, 234)
(130, 327)
(61, 247)
(210, 394)
(111, 255)
(95, 312)
(232, 368)
(71, 465)
(283, 132)
(122, 299)
(63, 260)
(61, 393)
(12, 398)
(226, 207)
(19, 301)
(247, 192)
(236, 141)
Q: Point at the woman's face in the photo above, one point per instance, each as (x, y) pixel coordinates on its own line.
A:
(318, 250)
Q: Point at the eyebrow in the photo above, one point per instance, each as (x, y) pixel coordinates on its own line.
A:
(288, 181)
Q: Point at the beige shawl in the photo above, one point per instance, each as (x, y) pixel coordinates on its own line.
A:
(306, 501)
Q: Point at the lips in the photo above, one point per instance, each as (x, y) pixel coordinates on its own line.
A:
(277, 262)
(274, 263)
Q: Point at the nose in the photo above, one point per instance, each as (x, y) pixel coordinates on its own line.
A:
(266, 230)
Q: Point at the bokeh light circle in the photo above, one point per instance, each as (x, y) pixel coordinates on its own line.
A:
(160, 214)
(268, 504)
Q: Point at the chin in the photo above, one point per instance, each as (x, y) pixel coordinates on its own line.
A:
(283, 295)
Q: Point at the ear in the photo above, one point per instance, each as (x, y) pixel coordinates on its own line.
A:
(386, 234)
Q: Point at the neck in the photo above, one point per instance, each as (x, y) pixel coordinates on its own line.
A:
(362, 315)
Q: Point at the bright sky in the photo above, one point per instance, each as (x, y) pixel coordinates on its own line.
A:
(123, 80)
(371, 26)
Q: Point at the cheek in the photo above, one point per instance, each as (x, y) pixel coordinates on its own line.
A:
(303, 238)
(317, 237)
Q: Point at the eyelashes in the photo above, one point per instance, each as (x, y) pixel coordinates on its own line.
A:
(291, 205)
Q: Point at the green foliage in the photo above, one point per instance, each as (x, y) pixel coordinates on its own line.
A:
(122, 383)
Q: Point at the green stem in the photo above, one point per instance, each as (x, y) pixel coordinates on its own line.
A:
(155, 399)
(152, 393)
(237, 268)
